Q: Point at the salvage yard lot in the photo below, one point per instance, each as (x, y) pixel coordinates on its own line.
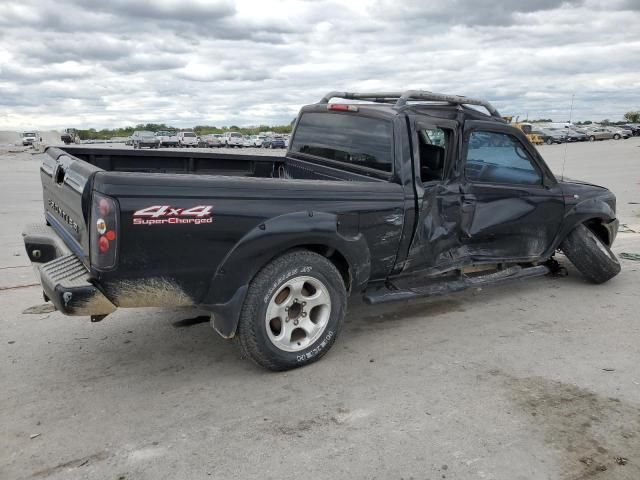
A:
(528, 380)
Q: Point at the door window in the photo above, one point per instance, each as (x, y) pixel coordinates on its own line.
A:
(433, 153)
(494, 157)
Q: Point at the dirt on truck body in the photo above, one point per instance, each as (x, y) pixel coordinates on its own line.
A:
(399, 196)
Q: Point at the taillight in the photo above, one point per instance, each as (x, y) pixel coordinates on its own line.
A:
(342, 107)
(103, 231)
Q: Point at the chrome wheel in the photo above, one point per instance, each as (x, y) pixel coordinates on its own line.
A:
(298, 313)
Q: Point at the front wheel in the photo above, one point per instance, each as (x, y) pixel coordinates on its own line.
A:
(590, 255)
(549, 141)
(616, 137)
(293, 311)
(592, 138)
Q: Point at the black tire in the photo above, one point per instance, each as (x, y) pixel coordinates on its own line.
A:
(592, 257)
(252, 335)
(549, 141)
(616, 137)
(592, 138)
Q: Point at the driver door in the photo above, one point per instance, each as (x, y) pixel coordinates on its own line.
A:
(512, 206)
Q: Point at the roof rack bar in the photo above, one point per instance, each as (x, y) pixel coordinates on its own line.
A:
(401, 98)
(440, 97)
(377, 96)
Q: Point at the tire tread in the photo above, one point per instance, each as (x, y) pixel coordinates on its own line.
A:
(581, 247)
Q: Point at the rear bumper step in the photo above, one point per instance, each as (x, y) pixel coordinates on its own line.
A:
(43, 244)
(64, 278)
(65, 282)
(384, 295)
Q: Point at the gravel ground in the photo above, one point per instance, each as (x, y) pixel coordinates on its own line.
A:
(536, 379)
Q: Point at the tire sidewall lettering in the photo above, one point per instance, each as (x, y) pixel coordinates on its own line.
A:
(283, 278)
(326, 341)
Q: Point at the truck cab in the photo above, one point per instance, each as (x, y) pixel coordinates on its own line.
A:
(28, 138)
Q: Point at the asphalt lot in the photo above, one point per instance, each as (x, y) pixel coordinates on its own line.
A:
(536, 379)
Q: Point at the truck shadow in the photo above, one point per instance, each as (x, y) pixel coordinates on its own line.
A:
(158, 342)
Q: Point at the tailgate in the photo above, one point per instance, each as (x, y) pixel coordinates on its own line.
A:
(65, 191)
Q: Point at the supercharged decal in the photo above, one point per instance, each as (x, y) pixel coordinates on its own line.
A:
(168, 215)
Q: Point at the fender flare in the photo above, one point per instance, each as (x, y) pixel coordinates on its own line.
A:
(591, 209)
(229, 285)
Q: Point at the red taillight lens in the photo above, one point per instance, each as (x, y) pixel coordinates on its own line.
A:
(104, 207)
(103, 244)
(342, 108)
(103, 231)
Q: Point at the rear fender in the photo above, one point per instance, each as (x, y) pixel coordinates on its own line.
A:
(231, 280)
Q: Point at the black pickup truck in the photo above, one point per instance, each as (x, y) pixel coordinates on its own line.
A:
(391, 196)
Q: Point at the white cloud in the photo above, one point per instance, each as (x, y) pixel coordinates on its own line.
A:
(188, 62)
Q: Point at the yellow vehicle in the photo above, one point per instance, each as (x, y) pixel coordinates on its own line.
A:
(527, 129)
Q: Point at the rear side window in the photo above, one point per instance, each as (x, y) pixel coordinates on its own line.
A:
(358, 141)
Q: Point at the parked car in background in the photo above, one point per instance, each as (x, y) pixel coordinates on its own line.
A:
(549, 136)
(252, 141)
(167, 139)
(144, 138)
(70, 135)
(576, 136)
(187, 139)
(28, 138)
(634, 127)
(619, 133)
(275, 141)
(128, 141)
(600, 133)
(233, 139)
(212, 140)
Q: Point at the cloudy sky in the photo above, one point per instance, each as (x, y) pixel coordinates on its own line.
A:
(108, 63)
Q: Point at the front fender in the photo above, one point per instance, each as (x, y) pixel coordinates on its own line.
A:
(229, 285)
(593, 208)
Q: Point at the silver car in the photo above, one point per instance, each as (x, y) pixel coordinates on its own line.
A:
(213, 140)
(600, 133)
(619, 133)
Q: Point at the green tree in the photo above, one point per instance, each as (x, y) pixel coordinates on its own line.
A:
(632, 117)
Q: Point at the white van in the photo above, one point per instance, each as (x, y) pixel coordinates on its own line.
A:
(233, 139)
(187, 139)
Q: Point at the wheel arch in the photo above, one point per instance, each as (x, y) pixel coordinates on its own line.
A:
(316, 232)
(596, 214)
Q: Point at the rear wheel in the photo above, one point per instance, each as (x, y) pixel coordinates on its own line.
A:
(293, 311)
(590, 255)
(549, 141)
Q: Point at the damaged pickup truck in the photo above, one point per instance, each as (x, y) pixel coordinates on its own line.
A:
(390, 196)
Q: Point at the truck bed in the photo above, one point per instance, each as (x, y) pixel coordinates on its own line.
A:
(203, 163)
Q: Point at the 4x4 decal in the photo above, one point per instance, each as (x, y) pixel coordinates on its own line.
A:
(168, 215)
